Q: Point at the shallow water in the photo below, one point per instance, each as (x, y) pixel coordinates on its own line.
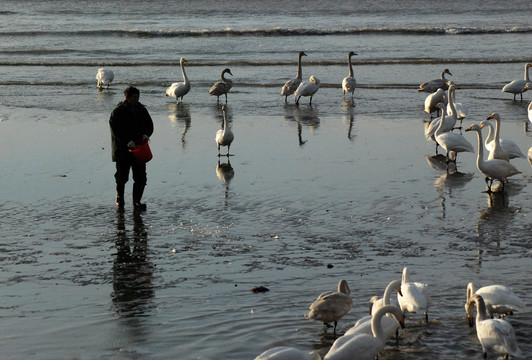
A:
(342, 189)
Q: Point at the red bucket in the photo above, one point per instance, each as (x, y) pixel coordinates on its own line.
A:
(142, 151)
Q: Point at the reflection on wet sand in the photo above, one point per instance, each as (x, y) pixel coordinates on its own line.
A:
(180, 113)
(132, 270)
(225, 172)
(447, 182)
(348, 106)
(303, 117)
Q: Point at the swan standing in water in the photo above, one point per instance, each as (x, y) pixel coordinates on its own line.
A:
(179, 89)
(287, 353)
(349, 83)
(433, 85)
(291, 85)
(307, 88)
(222, 87)
(495, 169)
(508, 146)
(363, 346)
(104, 77)
(415, 296)
(224, 136)
(518, 86)
(494, 334)
(331, 306)
(451, 142)
(377, 303)
(498, 299)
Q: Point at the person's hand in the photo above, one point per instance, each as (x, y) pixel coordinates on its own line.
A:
(145, 137)
(131, 145)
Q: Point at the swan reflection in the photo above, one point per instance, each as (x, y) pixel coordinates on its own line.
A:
(225, 173)
(302, 117)
(348, 107)
(180, 113)
(132, 270)
(446, 183)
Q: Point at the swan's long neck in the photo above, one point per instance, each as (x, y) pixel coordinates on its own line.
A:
(451, 106)
(376, 323)
(527, 78)
(436, 133)
(490, 133)
(350, 66)
(470, 290)
(406, 276)
(223, 76)
(481, 309)
(480, 156)
(299, 72)
(497, 129)
(343, 287)
(185, 78)
(388, 292)
(443, 75)
(224, 122)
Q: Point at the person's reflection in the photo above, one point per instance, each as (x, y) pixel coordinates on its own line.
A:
(132, 271)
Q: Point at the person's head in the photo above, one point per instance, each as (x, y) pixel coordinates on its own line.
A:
(132, 95)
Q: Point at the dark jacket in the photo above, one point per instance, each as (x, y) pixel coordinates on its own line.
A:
(128, 124)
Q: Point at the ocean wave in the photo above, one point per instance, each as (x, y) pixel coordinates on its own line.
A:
(277, 31)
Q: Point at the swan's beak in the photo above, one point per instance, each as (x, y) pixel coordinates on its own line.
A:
(470, 320)
(402, 322)
(469, 128)
(399, 292)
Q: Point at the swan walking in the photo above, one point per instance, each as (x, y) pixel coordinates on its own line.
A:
(494, 334)
(224, 136)
(287, 353)
(451, 142)
(291, 85)
(518, 86)
(331, 306)
(433, 85)
(498, 299)
(361, 345)
(495, 169)
(179, 89)
(415, 296)
(349, 83)
(222, 87)
(104, 77)
(307, 88)
(508, 147)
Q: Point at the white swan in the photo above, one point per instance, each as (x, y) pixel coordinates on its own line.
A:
(495, 169)
(222, 87)
(498, 299)
(508, 146)
(518, 86)
(287, 353)
(493, 143)
(363, 346)
(433, 85)
(415, 296)
(349, 83)
(451, 142)
(104, 77)
(460, 109)
(434, 99)
(224, 136)
(291, 85)
(179, 89)
(494, 334)
(307, 88)
(331, 306)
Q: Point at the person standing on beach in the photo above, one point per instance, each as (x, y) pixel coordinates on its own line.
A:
(130, 122)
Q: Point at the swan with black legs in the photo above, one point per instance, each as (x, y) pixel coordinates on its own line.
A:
(104, 77)
(415, 296)
(307, 88)
(222, 87)
(291, 85)
(179, 89)
(349, 83)
(331, 306)
(499, 299)
(518, 86)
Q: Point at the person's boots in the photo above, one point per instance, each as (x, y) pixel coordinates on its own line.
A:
(138, 190)
(120, 196)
